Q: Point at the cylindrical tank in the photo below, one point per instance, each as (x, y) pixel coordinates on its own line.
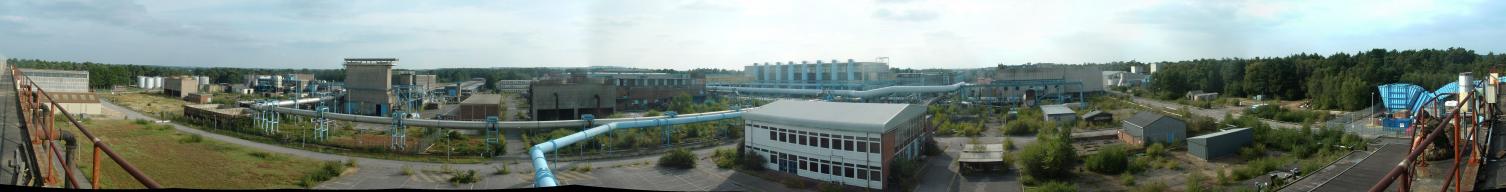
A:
(203, 80)
(1466, 86)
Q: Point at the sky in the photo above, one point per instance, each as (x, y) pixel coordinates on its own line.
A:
(686, 34)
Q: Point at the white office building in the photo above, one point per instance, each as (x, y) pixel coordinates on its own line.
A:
(849, 143)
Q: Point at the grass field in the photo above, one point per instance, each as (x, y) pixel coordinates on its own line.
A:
(178, 160)
(149, 104)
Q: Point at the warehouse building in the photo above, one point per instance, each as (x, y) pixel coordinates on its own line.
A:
(1098, 117)
(84, 103)
(369, 85)
(1152, 127)
(568, 99)
(848, 143)
(641, 91)
(479, 106)
(1059, 114)
(849, 75)
(1214, 145)
(54, 81)
(513, 86)
(180, 86)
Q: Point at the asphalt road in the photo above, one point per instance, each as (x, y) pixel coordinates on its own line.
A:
(388, 174)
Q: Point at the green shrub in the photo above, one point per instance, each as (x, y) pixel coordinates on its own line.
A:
(266, 156)
(1055, 187)
(1155, 150)
(1049, 158)
(1152, 187)
(725, 158)
(1108, 160)
(1195, 181)
(1139, 164)
(752, 161)
(192, 138)
(469, 176)
(1127, 179)
(678, 158)
(327, 170)
(407, 170)
(501, 170)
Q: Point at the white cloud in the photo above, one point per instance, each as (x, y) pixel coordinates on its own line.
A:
(726, 34)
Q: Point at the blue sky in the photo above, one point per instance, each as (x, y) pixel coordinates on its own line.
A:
(684, 34)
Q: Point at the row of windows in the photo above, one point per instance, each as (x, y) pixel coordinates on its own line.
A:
(791, 163)
(822, 140)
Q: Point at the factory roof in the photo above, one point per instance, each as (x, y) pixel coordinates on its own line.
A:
(72, 97)
(859, 117)
(53, 71)
(1056, 109)
(1220, 133)
(483, 99)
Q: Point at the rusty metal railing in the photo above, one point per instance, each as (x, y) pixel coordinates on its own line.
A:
(38, 117)
(1460, 146)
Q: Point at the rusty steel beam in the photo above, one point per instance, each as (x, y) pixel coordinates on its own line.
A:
(1416, 150)
(135, 173)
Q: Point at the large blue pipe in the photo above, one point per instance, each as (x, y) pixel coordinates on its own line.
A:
(545, 178)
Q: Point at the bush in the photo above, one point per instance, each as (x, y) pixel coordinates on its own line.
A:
(192, 138)
(469, 176)
(752, 161)
(1049, 158)
(725, 158)
(1109, 160)
(1156, 150)
(1139, 164)
(1127, 179)
(1023, 126)
(501, 170)
(1152, 187)
(407, 170)
(327, 170)
(1008, 161)
(1008, 143)
(1055, 187)
(678, 158)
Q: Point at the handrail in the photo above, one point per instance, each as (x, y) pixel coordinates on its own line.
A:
(1417, 150)
(99, 145)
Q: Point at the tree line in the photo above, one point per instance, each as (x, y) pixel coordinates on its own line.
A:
(1341, 81)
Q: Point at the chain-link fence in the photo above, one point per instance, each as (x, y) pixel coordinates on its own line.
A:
(1364, 122)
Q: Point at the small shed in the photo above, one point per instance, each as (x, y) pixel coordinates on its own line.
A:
(1097, 116)
(1152, 127)
(1218, 144)
(979, 158)
(1059, 113)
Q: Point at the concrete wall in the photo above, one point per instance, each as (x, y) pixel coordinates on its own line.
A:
(370, 88)
(180, 86)
(556, 101)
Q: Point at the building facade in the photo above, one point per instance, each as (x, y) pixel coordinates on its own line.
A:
(1218, 144)
(78, 103)
(849, 143)
(180, 86)
(513, 86)
(1150, 127)
(479, 106)
(849, 75)
(59, 80)
(641, 91)
(568, 99)
(369, 82)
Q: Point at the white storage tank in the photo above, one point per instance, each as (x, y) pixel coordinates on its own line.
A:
(203, 80)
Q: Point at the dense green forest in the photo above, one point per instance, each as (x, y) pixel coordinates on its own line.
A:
(1341, 81)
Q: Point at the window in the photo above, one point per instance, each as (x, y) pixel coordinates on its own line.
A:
(825, 143)
(847, 146)
(772, 137)
(802, 139)
(874, 147)
(862, 147)
(802, 165)
(773, 158)
(861, 175)
(875, 176)
(813, 166)
(825, 169)
(849, 173)
(813, 141)
(782, 137)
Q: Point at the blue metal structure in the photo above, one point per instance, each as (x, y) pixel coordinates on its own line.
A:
(543, 177)
(399, 131)
(321, 123)
(492, 134)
